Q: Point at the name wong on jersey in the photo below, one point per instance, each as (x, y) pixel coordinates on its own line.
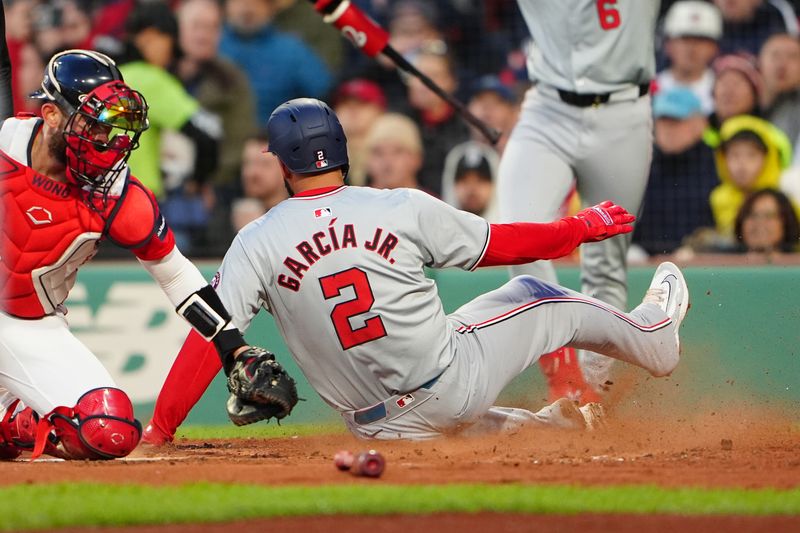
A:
(323, 243)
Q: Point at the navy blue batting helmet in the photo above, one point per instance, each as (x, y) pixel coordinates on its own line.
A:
(72, 74)
(307, 137)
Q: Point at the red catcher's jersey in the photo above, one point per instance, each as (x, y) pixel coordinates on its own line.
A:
(49, 230)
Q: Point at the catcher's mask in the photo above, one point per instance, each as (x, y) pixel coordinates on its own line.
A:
(101, 132)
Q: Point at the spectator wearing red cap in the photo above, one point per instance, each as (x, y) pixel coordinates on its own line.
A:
(358, 103)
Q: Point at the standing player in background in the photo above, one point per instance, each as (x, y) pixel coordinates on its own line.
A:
(588, 122)
(341, 269)
(64, 187)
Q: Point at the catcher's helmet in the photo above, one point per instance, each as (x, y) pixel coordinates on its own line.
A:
(307, 137)
(71, 74)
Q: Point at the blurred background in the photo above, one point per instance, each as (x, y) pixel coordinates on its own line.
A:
(725, 177)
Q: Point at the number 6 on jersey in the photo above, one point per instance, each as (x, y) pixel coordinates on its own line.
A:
(342, 312)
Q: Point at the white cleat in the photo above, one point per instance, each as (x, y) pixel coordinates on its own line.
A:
(669, 291)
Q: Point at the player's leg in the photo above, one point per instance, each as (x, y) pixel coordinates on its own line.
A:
(614, 166)
(503, 332)
(534, 180)
(51, 372)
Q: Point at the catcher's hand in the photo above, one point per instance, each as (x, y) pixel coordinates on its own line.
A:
(256, 378)
(605, 220)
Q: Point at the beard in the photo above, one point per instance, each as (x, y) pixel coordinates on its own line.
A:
(57, 146)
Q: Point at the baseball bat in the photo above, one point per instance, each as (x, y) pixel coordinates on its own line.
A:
(372, 39)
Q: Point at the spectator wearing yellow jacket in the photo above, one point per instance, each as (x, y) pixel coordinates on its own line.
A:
(750, 154)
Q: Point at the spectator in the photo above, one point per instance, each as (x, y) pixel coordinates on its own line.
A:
(261, 179)
(751, 156)
(441, 128)
(495, 104)
(297, 17)
(692, 29)
(410, 24)
(682, 174)
(279, 66)
(780, 65)
(737, 88)
(767, 223)
(358, 103)
(186, 199)
(76, 26)
(153, 32)
(217, 84)
(749, 23)
(394, 152)
(469, 176)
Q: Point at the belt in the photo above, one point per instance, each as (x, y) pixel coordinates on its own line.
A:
(396, 405)
(586, 100)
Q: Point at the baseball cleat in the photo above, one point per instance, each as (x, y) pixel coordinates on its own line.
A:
(669, 291)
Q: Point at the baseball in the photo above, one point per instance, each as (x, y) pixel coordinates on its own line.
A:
(343, 460)
(369, 464)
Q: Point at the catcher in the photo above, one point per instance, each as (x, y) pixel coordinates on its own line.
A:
(64, 188)
(341, 269)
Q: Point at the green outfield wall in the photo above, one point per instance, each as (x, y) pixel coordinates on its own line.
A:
(740, 340)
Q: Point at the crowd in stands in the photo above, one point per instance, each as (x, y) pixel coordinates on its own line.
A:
(725, 175)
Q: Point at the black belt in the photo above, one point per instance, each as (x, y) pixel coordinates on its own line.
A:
(586, 100)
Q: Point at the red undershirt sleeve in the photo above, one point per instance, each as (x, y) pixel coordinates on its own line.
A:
(525, 242)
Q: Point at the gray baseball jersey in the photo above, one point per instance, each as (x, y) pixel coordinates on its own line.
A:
(342, 273)
(591, 46)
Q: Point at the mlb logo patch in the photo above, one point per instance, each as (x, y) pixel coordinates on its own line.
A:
(404, 401)
(321, 164)
(322, 212)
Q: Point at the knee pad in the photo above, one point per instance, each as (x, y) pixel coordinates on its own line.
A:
(100, 426)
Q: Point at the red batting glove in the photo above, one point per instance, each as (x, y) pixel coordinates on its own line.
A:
(605, 220)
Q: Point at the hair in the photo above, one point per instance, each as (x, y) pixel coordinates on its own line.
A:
(746, 136)
(397, 128)
(260, 135)
(791, 226)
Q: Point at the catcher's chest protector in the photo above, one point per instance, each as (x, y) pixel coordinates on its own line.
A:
(47, 233)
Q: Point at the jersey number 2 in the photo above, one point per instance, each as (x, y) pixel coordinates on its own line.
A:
(609, 16)
(342, 312)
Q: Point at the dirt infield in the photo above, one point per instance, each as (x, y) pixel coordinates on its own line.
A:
(712, 450)
(459, 523)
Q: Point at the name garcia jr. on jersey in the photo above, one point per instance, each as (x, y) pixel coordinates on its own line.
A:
(324, 243)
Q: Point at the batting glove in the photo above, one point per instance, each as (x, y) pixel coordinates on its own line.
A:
(605, 220)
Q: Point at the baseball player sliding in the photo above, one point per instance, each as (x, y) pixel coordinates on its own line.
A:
(587, 122)
(341, 269)
(64, 187)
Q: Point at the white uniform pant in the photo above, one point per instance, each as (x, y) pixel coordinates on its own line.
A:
(500, 334)
(44, 365)
(606, 152)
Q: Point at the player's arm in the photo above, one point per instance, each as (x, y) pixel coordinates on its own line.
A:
(450, 237)
(522, 242)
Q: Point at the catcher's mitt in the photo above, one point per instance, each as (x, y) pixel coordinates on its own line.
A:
(255, 378)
